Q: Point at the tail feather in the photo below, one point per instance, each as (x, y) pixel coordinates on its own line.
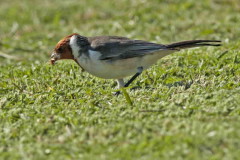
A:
(193, 43)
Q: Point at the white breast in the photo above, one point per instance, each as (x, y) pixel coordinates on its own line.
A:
(107, 69)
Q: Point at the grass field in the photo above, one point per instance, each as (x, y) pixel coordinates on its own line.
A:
(185, 107)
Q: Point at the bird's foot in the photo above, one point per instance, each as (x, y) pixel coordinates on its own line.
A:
(117, 93)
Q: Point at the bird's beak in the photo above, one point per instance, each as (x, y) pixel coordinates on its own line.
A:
(54, 58)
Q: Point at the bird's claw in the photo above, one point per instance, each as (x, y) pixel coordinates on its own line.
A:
(116, 93)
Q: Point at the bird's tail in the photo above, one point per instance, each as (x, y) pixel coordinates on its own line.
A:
(193, 43)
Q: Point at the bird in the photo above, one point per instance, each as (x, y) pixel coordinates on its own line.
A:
(115, 57)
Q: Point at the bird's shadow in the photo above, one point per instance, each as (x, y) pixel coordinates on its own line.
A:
(186, 84)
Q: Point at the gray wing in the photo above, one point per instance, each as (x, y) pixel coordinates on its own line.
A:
(114, 47)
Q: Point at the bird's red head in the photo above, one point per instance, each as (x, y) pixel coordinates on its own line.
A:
(62, 50)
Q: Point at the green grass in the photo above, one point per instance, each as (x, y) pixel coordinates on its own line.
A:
(186, 107)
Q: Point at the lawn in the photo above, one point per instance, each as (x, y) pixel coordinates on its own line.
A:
(186, 107)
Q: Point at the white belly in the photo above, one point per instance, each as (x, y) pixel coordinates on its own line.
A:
(117, 69)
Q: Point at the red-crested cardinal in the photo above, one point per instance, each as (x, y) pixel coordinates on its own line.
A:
(112, 57)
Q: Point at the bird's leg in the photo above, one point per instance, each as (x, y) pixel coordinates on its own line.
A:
(140, 69)
(120, 85)
(121, 82)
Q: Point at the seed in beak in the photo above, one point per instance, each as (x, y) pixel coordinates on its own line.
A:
(54, 58)
(52, 61)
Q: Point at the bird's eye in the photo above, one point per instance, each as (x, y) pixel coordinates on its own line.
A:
(60, 49)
